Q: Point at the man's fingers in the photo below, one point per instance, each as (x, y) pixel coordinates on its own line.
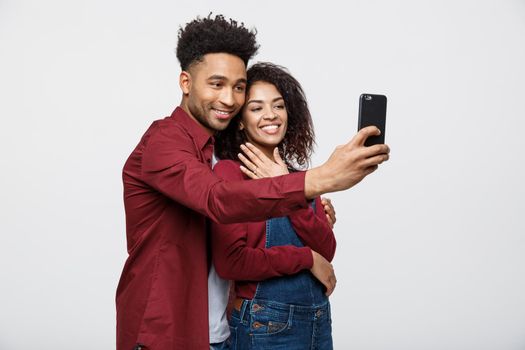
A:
(330, 221)
(376, 160)
(330, 214)
(327, 204)
(361, 136)
(370, 169)
(331, 218)
(375, 150)
(329, 211)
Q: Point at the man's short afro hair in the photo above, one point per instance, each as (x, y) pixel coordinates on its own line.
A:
(213, 35)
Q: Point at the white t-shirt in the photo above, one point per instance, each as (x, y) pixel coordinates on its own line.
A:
(218, 294)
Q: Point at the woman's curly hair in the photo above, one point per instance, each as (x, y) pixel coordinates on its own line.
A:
(212, 35)
(297, 145)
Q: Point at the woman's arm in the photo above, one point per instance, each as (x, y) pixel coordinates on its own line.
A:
(311, 226)
(313, 229)
(234, 259)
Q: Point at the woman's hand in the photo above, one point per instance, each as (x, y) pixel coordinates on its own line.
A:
(257, 165)
(324, 272)
(329, 211)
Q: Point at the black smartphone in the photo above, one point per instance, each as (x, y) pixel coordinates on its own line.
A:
(372, 111)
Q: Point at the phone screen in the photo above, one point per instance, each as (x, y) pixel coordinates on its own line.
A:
(372, 111)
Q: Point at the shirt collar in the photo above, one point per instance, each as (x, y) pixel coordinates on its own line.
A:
(196, 131)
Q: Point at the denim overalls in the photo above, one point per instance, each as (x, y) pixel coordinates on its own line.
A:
(290, 312)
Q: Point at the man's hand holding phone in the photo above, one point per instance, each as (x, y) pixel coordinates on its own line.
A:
(347, 166)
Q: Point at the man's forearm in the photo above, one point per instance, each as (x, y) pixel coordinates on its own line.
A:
(315, 183)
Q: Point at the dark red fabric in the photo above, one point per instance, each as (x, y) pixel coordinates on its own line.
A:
(239, 251)
(169, 191)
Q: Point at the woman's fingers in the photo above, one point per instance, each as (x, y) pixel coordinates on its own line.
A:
(247, 163)
(249, 173)
(278, 158)
(260, 164)
(253, 153)
(324, 272)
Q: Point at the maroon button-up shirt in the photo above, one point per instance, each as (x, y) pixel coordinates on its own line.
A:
(169, 191)
(239, 251)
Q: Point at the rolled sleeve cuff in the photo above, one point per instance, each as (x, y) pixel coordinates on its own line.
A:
(306, 258)
(293, 189)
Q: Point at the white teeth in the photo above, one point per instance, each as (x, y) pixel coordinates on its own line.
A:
(221, 112)
(270, 127)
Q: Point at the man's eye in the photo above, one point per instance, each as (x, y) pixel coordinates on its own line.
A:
(240, 88)
(216, 84)
(256, 109)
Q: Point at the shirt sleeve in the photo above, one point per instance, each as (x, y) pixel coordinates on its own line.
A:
(235, 260)
(171, 165)
(313, 229)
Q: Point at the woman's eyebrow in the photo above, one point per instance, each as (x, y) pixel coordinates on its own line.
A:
(261, 101)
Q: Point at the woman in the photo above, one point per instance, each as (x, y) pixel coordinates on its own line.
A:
(279, 303)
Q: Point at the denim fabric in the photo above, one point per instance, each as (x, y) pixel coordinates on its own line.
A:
(290, 312)
(225, 345)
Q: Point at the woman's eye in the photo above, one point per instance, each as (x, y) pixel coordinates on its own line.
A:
(279, 106)
(256, 109)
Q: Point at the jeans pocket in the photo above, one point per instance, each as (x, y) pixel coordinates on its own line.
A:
(269, 322)
(276, 327)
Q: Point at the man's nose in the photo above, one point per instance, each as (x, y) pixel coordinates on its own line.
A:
(227, 97)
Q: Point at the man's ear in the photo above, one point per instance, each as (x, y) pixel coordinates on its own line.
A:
(185, 82)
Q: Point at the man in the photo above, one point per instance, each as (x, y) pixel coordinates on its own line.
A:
(170, 190)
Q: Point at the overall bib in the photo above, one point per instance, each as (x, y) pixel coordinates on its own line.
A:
(290, 312)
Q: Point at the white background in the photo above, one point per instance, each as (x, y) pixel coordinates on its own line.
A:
(430, 247)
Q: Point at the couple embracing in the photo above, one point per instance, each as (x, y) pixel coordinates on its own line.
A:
(256, 219)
